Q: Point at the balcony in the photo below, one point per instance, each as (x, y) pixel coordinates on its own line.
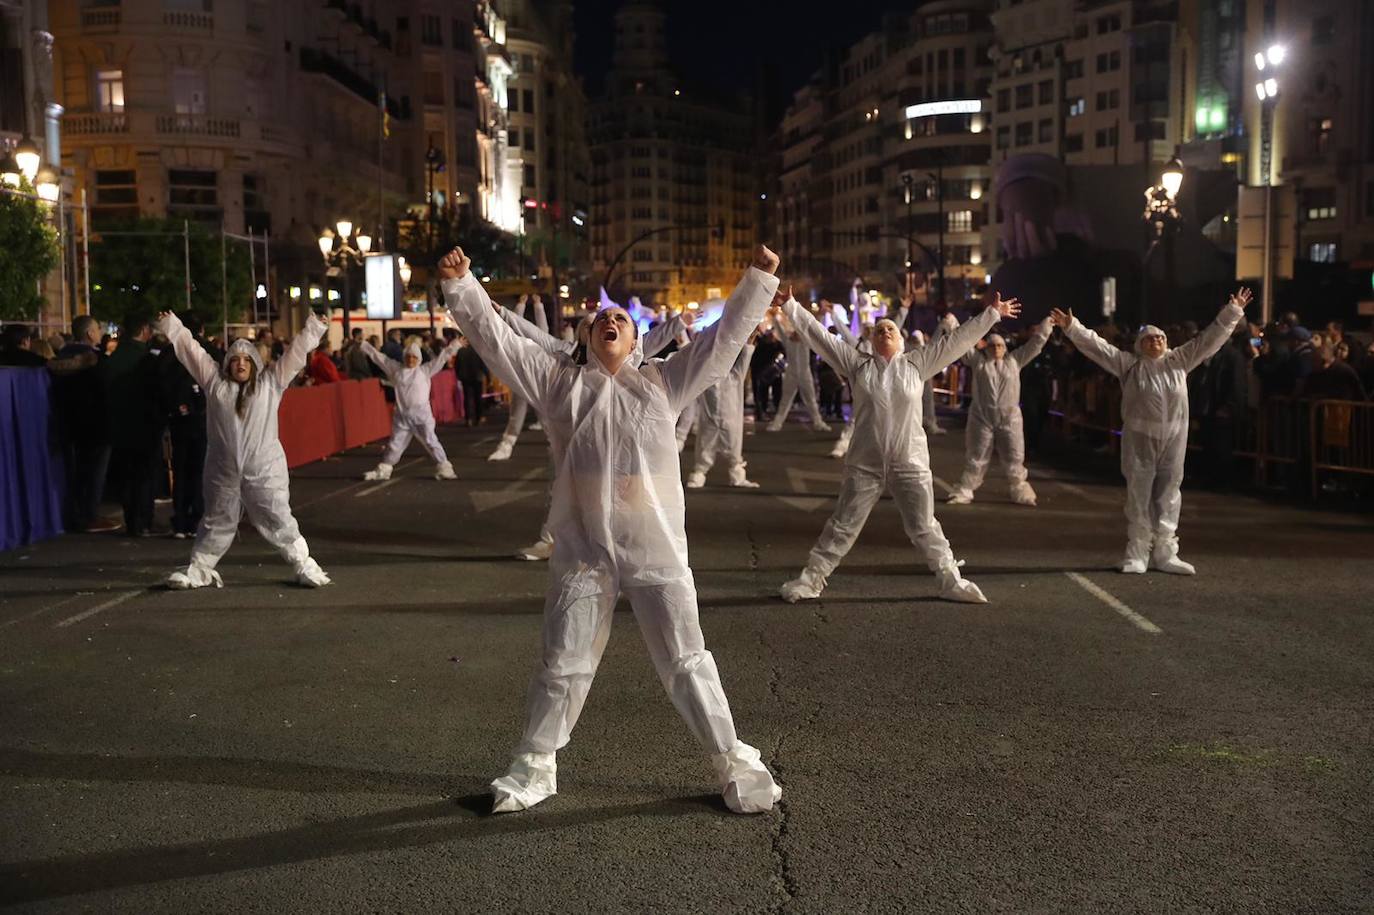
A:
(95, 124)
(197, 125)
(189, 21)
(100, 19)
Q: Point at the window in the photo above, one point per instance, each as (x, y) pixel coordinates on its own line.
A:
(192, 190)
(434, 87)
(188, 91)
(513, 138)
(1003, 137)
(1046, 91)
(116, 188)
(1320, 130)
(527, 99)
(960, 221)
(1045, 130)
(1073, 143)
(1107, 138)
(958, 57)
(1077, 106)
(1024, 133)
(1323, 252)
(1153, 130)
(109, 90)
(1107, 63)
(1110, 23)
(1073, 69)
(460, 34)
(513, 101)
(1025, 95)
(529, 139)
(1109, 101)
(529, 175)
(1003, 99)
(1320, 203)
(431, 32)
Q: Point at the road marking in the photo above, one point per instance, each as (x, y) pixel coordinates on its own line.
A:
(98, 608)
(41, 610)
(943, 485)
(798, 477)
(335, 493)
(803, 503)
(1106, 598)
(512, 492)
(371, 489)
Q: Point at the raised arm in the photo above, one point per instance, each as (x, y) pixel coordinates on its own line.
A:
(657, 338)
(1025, 354)
(1111, 358)
(440, 362)
(298, 353)
(546, 341)
(541, 315)
(844, 357)
(741, 366)
(1214, 336)
(522, 364)
(380, 359)
(708, 359)
(934, 359)
(189, 352)
(842, 324)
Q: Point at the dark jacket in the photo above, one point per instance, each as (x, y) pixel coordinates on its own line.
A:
(180, 396)
(134, 408)
(1221, 390)
(78, 393)
(468, 366)
(1338, 381)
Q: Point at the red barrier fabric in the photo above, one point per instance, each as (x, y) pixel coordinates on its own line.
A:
(315, 422)
(446, 397)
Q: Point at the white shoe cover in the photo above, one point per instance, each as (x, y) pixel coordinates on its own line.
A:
(933, 429)
(444, 471)
(1165, 559)
(503, 450)
(194, 577)
(695, 480)
(954, 586)
(310, 575)
(744, 484)
(382, 472)
(960, 497)
(1137, 557)
(745, 782)
(532, 777)
(1133, 566)
(536, 552)
(821, 427)
(738, 478)
(806, 586)
(1023, 494)
(838, 451)
(774, 427)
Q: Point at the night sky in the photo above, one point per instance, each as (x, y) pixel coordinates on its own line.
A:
(721, 43)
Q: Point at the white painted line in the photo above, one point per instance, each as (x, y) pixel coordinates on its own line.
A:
(1106, 598)
(371, 489)
(943, 485)
(98, 608)
(332, 494)
(41, 610)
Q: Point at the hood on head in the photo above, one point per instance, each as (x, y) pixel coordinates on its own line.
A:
(243, 347)
(1150, 330)
(994, 339)
(414, 350)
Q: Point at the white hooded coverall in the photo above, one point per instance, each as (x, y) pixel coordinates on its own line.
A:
(1154, 437)
(618, 525)
(720, 422)
(994, 415)
(413, 415)
(798, 379)
(515, 424)
(245, 466)
(888, 449)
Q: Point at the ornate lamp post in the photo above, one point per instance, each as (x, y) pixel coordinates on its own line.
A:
(342, 251)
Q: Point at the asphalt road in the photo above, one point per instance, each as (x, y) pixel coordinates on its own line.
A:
(1086, 742)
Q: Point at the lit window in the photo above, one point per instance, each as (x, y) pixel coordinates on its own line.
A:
(961, 221)
(109, 90)
(1322, 252)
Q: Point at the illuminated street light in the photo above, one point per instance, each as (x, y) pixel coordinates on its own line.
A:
(9, 170)
(1172, 177)
(1276, 54)
(47, 184)
(27, 156)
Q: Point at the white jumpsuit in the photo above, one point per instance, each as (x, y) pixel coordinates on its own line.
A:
(618, 525)
(413, 416)
(1154, 438)
(994, 417)
(888, 450)
(519, 407)
(798, 379)
(720, 429)
(245, 466)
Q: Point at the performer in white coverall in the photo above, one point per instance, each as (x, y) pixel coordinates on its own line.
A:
(994, 415)
(618, 518)
(798, 379)
(888, 450)
(413, 415)
(1154, 435)
(720, 425)
(515, 424)
(245, 467)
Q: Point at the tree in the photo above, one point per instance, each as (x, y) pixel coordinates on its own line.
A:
(28, 252)
(146, 271)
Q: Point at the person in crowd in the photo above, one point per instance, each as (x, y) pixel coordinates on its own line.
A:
(472, 375)
(16, 348)
(888, 449)
(183, 405)
(356, 366)
(797, 379)
(618, 518)
(135, 420)
(720, 424)
(108, 342)
(413, 417)
(766, 371)
(1219, 402)
(1332, 380)
(321, 368)
(79, 402)
(394, 348)
(245, 466)
(1154, 438)
(994, 416)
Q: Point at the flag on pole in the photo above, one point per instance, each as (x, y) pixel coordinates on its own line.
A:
(386, 117)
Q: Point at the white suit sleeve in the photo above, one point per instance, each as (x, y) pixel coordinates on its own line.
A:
(440, 362)
(1212, 338)
(1025, 354)
(189, 353)
(658, 337)
(546, 341)
(298, 353)
(842, 356)
(842, 325)
(934, 359)
(741, 366)
(711, 354)
(541, 316)
(522, 364)
(380, 359)
(1113, 359)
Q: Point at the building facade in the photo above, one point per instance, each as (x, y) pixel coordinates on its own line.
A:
(675, 186)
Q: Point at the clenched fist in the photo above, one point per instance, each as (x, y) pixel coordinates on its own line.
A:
(766, 260)
(454, 265)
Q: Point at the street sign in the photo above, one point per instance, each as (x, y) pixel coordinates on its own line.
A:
(1250, 231)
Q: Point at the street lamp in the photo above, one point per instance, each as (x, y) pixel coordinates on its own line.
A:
(906, 183)
(342, 251)
(1267, 91)
(1161, 213)
(47, 184)
(27, 156)
(9, 170)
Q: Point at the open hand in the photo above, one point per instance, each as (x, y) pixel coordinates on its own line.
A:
(1007, 308)
(766, 260)
(782, 295)
(454, 265)
(1061, 319)
(1243, 297)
